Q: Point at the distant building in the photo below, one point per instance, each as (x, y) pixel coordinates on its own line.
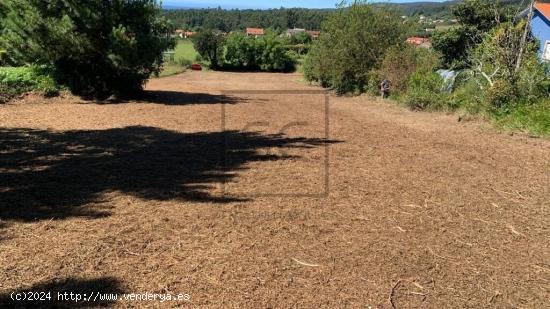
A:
(291, 32)
(256, 32)
(182, 34)
(188, 34)
(179, 33)
(419, 42)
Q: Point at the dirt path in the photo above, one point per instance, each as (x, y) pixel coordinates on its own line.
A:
(420, 210)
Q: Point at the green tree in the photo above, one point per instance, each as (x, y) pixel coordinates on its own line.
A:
(95, 47)
(210, 46)
(272, 54)
(493, 62)
(353, 41)
(240, 51)
(300, 38)
(267, 53)
(453, 44)
(476, 18)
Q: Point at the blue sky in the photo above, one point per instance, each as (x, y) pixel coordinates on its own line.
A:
(229, 4)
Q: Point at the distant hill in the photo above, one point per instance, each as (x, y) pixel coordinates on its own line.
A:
(432, 9)
(435, 9)
(228, 19)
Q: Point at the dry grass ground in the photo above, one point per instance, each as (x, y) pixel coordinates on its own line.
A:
(151, 196)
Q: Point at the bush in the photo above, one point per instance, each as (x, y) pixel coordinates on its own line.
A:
(353, 41)
(501, 95)
(424, 91)
(15, 81)
(373, 85)
(272, 55)
(267, 53)
(209, 45)
(534, 118)
(97, 48)
(316, 66)
(240, 51)
(401, 61)
(467, 96)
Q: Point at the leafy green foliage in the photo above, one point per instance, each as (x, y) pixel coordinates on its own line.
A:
(476, 18)
(453, 45)
(468, 96)
(425, 91)
(15, 81)
(300, 38)
(352, 43)
(241, 52)
(273, 55)
(234, 20)
(210, 46)
(401, 61)
(96, 47)
(533, 118)
(481, 14)
(495, 61)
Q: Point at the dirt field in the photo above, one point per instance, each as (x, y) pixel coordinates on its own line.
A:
(226, 197)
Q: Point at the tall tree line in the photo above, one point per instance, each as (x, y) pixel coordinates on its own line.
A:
(228, 20)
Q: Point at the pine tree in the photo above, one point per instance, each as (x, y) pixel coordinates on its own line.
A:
(95, 47)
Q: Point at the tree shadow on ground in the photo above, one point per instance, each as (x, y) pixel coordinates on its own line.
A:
(96, 288)
(175, 98)
(59, 174)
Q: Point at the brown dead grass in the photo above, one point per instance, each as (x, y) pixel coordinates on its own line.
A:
(422, 211)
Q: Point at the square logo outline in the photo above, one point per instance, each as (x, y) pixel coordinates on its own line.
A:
(326, 163)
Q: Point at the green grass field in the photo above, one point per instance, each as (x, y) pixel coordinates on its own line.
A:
(185, 54)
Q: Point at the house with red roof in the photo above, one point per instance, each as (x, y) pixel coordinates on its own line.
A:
(540, 27)
(419, 42)
(256, 32)
(183, 34)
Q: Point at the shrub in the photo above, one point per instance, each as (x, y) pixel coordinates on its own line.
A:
(353, 41)
(373, 83)
(532, 81)
(209, 45)
(240, 51)
(267, 53)
(468, 96)
(424, 91)
(316, 66)
(534, 118)
(96, 47)
(401, 61)
(501, 95)
(15, 81)
(300, 38)
(272, 55)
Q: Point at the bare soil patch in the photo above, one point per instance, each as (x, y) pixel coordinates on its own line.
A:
(153, 196)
